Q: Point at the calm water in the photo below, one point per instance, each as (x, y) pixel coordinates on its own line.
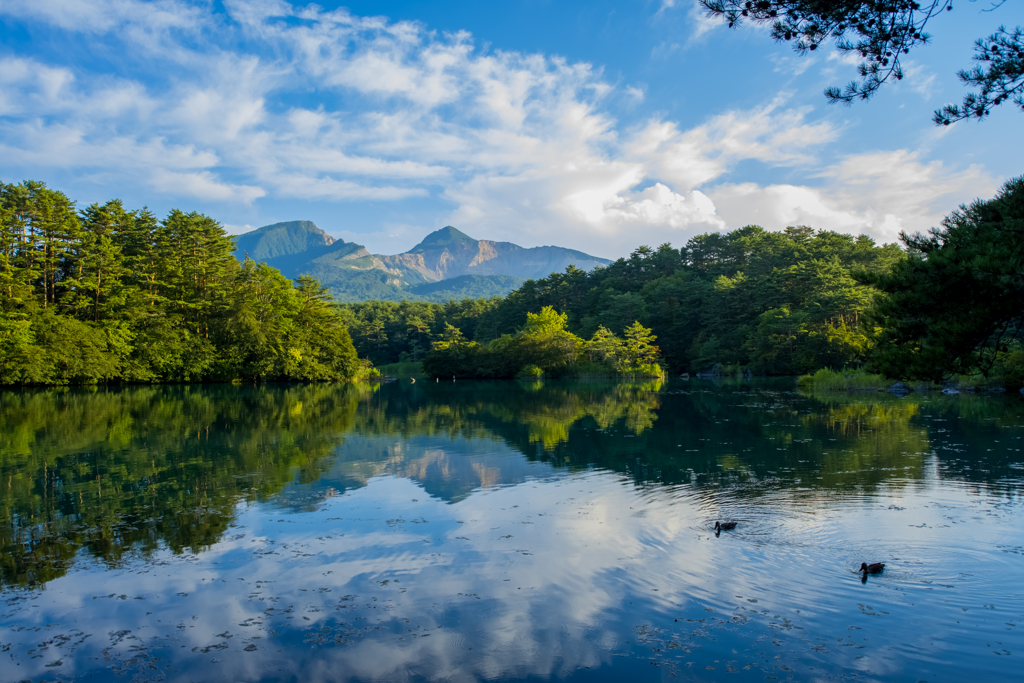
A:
(509, 531)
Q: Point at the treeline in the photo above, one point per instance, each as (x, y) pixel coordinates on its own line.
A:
(444, 338)
(111, 295)
(954, 308)
(948, 305)
(773, 302)
(388, 332)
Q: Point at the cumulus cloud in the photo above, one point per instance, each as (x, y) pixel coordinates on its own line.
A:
(879, 194)
(238, 105)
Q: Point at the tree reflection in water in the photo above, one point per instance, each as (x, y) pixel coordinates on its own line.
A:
(134, 469)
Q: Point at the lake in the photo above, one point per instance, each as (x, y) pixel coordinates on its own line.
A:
(500, 531)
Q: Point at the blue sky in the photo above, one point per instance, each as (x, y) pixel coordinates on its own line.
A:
(597, 125)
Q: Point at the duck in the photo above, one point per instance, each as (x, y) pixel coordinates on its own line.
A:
(873, 568)
(724, 526)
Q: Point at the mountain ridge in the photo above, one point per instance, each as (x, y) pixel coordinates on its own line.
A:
(354, 274)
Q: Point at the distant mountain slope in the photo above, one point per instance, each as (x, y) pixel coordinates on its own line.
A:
(283, 239)
(448, 253)
(446, 264)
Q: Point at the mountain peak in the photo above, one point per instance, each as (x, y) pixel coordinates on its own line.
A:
(295, 227)
(283, 239)
(439, 239)
(466, 266)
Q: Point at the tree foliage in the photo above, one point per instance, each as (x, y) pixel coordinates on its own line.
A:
(956, 305)
(705, 301)
(880, 33)
(111, 295)
(391, 332)
(776, 302)
(999, 77)
(545, 346)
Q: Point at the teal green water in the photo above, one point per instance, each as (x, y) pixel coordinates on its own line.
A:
(509, 531)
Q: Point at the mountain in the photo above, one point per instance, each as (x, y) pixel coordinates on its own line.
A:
(447, 264)
(283, 239)
(291, 247)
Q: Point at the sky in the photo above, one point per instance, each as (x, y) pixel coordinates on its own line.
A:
(600, 125)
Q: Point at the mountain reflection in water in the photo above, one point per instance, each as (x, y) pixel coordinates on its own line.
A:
(507, 531)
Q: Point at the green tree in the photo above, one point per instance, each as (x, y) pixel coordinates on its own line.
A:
(545, 342)
(113, 295)
(96, 269)
(604, 347)
(638, 352)
(778, 344)
(320, 347)
(453, 356)
(955, 305)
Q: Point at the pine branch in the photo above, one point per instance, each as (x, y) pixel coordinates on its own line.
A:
(999, 78)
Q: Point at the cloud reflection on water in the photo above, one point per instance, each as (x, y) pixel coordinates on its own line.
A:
(457, 557)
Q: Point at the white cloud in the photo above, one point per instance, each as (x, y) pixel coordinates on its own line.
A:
(876, 193)
(658, 205)
(792, 64)
(105, 15)
(390, 82)
(846, 58)
(919, 79)
(702, 24)
(329, 106)
(203, 185)
(326, 187)
(697, 23)
(636, 93)
(769, 133)
(233, 229)
(589, 203)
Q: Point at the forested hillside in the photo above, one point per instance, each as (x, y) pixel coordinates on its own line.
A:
(776, 302)
(106, 294)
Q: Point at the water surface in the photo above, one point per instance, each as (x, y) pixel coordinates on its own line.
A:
(508, 531)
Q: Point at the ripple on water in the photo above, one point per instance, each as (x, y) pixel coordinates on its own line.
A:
(609, 558)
